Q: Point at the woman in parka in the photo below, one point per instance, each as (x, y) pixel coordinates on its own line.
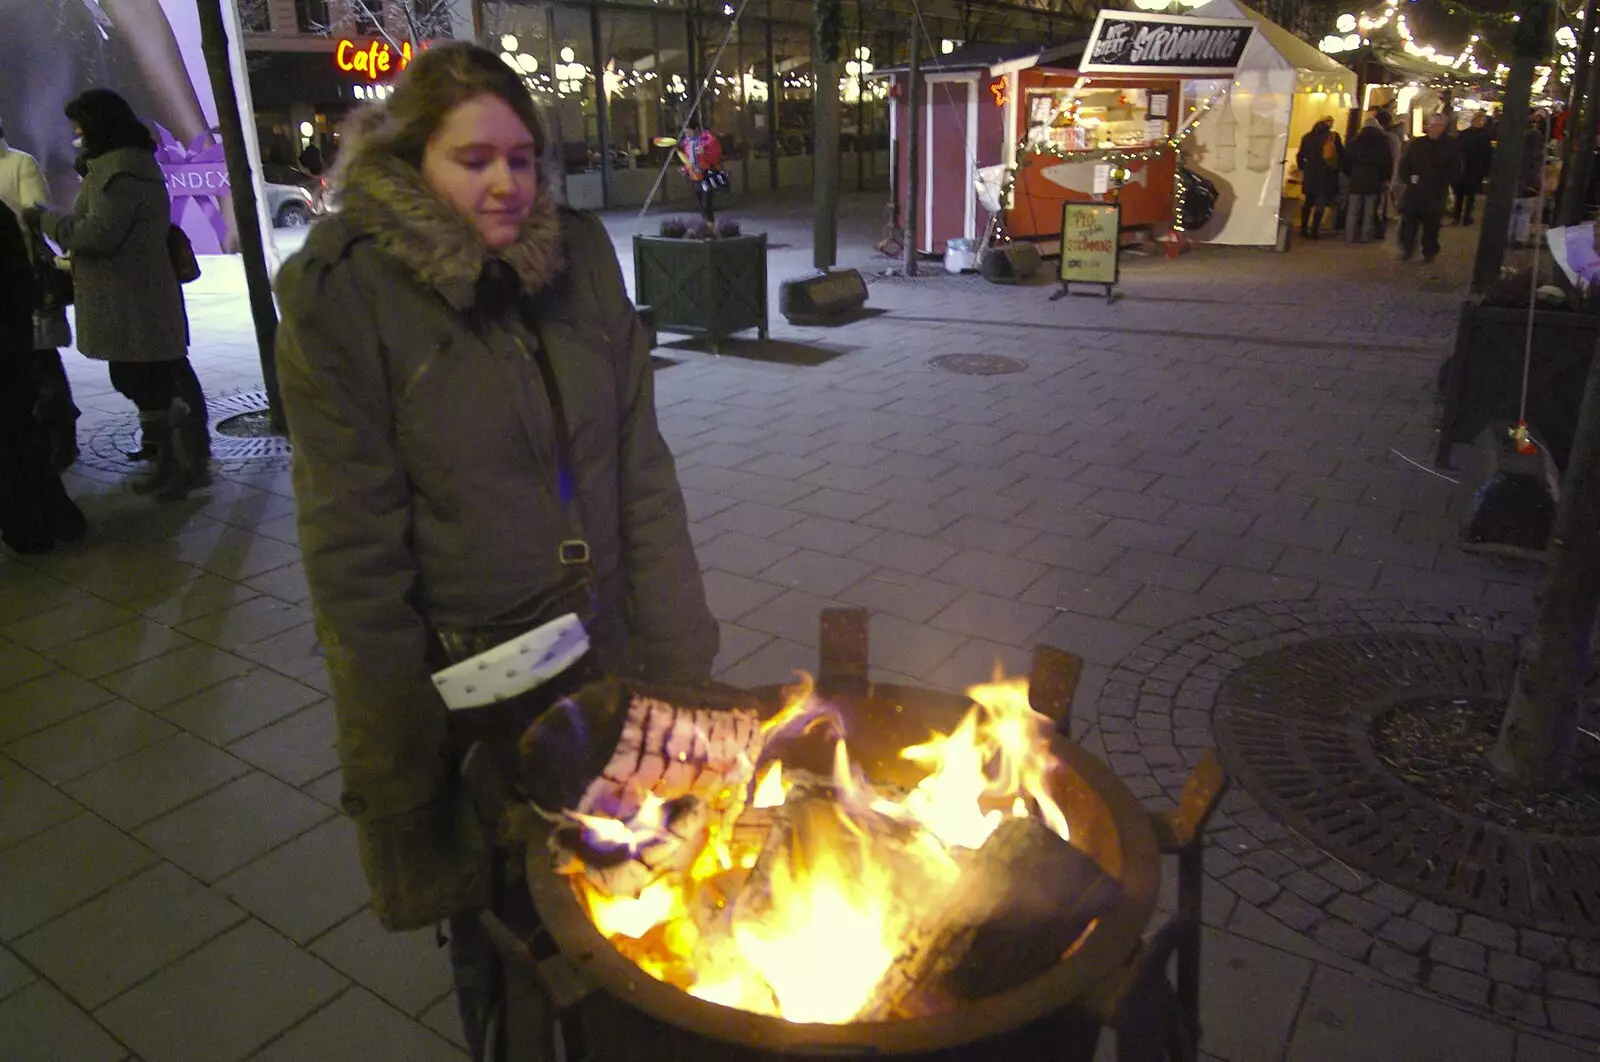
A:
(130, 309)
(1320, 158)
(471, 400)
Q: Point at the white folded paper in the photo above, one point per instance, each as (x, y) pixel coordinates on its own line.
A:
(515, 667)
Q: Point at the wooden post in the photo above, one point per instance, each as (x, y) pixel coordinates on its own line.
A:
(1578, 110)
(861, 100)
(824, 152)
(602, 106)
(772, 106)
(1532, 45)
(263, 312)
(912, 143)
(1577, 151)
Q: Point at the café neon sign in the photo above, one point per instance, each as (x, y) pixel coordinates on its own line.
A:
(372, 60)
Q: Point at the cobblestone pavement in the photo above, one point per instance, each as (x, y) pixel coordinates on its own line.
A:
(1223, 454)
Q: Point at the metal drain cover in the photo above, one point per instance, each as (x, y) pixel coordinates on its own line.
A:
(242, 439)
(978, 364)
(1295, 725)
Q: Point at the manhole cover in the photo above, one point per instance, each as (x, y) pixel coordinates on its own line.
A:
(1296, 725)
(242, 438)
(978, 364)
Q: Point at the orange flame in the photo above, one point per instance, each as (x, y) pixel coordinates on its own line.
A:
(854, 872)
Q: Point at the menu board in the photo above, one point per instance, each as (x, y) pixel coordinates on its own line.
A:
(1089, 242)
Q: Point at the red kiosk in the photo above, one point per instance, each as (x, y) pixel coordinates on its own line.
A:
(1056, 129)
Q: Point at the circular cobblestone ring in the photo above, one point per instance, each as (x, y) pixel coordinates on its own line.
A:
(103, 447)
(1288, 691)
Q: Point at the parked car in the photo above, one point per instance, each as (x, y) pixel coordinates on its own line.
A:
(290, 206)
(294, 197)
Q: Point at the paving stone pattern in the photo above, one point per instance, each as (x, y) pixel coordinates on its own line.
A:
(1522, 975)
(175, 879)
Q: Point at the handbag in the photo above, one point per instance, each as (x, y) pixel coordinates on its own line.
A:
(55, 280)
(184, 263)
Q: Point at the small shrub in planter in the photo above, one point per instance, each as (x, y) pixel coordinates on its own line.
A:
(674, 228)
(728, 229)
(702, 231)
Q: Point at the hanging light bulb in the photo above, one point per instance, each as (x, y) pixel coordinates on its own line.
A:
(509, 43)
(568, 55)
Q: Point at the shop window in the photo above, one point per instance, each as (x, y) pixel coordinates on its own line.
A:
(368, 16)
(311, 16)
(1069, 120)
(576, 119)
(255, 16)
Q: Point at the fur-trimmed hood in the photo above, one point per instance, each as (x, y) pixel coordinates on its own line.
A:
(385, 199)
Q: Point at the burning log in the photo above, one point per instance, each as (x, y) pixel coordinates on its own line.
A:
(622, 858)
(671, 751)
(1021, 902)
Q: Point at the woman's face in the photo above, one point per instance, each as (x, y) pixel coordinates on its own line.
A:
(482, 161)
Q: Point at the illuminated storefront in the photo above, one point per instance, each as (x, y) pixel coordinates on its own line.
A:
(612, 76)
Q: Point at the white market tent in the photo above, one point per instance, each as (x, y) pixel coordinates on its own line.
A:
(1245, 144)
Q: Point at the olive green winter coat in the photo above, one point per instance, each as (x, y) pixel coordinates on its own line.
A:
(425, 474)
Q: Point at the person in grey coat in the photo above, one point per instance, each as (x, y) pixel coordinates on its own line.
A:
(130, 309)
(476, 453)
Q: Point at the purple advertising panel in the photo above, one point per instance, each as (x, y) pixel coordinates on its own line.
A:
(148, 51)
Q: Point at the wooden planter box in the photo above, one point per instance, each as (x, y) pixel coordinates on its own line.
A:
(1483, 379)
(710, 288)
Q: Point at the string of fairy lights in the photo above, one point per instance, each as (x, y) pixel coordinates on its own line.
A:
(1388, 26)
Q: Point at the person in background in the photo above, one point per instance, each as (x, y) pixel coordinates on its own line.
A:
(476, 454)
(1477, 155)
(35, 510)
(1320, 159)
(130, 309)
(1369, 161)
(1389, 202)
(311, 159)
(701, 153)
(23, 185)
(1530, 181)
(1430, 166)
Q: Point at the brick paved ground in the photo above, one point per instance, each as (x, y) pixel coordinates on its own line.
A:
(176, 883)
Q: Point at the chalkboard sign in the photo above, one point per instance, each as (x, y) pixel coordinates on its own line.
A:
(1137, 42)
(1089, 243)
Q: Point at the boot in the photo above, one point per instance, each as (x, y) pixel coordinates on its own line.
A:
(160, 431)
(151, 426)
(187, 443)
(1316, 224)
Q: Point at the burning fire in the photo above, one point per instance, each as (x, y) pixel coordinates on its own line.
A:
(787, 894)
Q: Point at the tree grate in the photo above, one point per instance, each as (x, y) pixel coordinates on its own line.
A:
(242, 437)
(1295, 725)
